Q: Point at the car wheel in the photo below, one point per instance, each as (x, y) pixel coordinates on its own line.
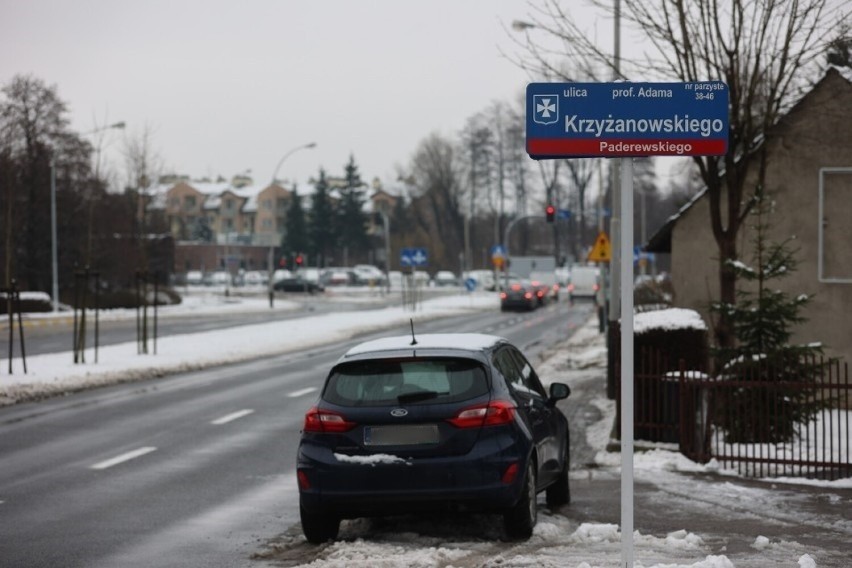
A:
(560, 492)
(520, 519)
(319, 527)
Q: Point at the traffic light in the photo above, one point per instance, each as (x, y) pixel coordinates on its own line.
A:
(282, 262)
(549, 213)
(300, 260)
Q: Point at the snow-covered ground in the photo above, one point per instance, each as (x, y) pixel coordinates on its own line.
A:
(558, 539)
(55, 373)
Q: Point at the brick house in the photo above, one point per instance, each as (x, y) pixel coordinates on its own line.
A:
(809, 178)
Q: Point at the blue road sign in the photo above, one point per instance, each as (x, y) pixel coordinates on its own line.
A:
(563, 213)
(575, 120)
(498, 251)
(470, 284)
(413, 257)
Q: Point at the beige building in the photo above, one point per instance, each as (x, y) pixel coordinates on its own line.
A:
(224, 212)
(809, 178)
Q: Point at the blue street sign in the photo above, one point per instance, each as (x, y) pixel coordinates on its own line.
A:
(563, 214)
(575, 120)
(470, 284)
(413, 257)
(498, 251)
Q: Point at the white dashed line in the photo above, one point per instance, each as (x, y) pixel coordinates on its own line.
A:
(123, 458)
(302, 392)
(231, 417)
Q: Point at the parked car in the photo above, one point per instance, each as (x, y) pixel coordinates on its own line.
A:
(445, 278)
(298, 284)
(411, 424)
(338, 277)
(484, 279)
(369, 275)
(221, 278)
(195, 278)
(256, 278)
(518, 293)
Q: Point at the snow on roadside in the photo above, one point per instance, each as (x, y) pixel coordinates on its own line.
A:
(55, 374)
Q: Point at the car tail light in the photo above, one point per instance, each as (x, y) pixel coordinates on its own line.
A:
(510, 474)
(570, 287)
(324, 421)
(503, 295)
(494, 413)
(528, 295)
(516, 287)
(535, 283)
(556, 287)
(595, 287)
(304, 482)
(540, 293)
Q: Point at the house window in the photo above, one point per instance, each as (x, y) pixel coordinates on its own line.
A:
(267, 224)
(189, 202)
(281, 203)
(835, 209)
(229, 204)
(267, 204)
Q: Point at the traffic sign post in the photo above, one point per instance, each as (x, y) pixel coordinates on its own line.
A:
(626, 120)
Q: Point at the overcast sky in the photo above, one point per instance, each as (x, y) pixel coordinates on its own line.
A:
(229, 86)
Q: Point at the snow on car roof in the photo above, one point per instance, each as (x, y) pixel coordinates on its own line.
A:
(462, 341)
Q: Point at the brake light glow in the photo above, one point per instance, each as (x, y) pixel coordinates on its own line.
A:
(304, 482)
(495, 413)
(570, 287)
(595, 287)
(556, 287)
(510, 474)
(324, 421)
(502, 295)
(536, 283)
(516, 287)
(540, 293)
(528, 295)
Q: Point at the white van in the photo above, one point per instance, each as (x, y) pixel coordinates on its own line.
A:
(585, 281)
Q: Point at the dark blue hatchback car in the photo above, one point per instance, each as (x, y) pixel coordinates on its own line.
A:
(440, 422)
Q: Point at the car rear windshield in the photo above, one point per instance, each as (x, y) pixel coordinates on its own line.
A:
(409, 381)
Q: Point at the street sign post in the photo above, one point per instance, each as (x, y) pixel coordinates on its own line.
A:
(626, 120)
(414, 257)
(574, 120)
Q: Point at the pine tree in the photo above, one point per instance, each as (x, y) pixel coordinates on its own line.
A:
(352, 219)
(764, 318)
(296, 239)
(321, 222)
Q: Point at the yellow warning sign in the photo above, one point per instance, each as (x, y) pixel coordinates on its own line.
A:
(602, 251)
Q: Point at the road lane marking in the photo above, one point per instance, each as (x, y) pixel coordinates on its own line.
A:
(302, 392)
(231, 417)
(123, 458)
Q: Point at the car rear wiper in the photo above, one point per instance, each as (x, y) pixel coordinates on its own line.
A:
(419, 396)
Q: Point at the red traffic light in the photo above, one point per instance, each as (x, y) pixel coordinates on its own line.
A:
(550, 213)
(282, 262)
(299, 260)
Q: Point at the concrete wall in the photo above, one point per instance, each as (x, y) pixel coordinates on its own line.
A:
(816, 134)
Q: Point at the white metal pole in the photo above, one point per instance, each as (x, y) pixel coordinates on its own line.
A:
(53, 245)
(627, 363)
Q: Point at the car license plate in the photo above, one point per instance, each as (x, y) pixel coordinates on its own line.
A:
(407, 435)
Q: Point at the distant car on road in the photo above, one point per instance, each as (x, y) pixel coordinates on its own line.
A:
(585, 281)
(297, 284)
(221, 278)
(439, 421)
(518, 293)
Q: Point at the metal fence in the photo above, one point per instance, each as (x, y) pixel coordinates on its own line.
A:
(762, 422)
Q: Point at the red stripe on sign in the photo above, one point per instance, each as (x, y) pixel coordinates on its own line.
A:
(560, 147)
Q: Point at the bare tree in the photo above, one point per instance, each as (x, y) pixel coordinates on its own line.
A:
(143, 166)
(764, 50)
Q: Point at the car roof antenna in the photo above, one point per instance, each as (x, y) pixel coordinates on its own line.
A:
(413, 339)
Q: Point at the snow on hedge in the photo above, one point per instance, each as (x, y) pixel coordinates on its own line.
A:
(669, 319)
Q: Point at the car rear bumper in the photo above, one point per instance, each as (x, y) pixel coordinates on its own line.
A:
(469, 482)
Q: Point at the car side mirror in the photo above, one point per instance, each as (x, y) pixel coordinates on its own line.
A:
(558, 391)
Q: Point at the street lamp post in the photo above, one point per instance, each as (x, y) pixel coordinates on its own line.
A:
(54, 257)
(289, 153)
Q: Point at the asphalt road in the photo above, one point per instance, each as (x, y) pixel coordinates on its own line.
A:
(191, 470)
